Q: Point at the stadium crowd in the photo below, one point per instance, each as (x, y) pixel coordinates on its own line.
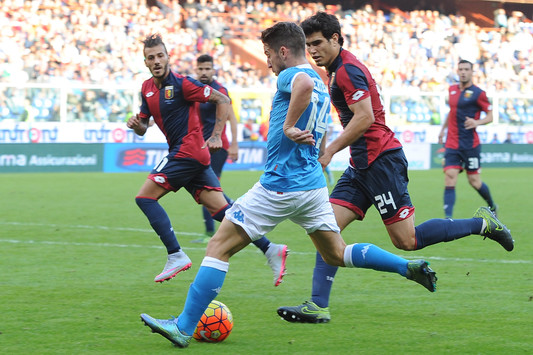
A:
(99, 42)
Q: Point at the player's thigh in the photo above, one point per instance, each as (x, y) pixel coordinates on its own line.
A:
(344, 216)
(474, 179)
(402, 233)
(450, 176)
(152, 190)
(205, 189)
(213, 200)
(228, 240)
(330, 245)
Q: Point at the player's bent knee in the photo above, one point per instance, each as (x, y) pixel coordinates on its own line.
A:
(405, 244)
(333, 260)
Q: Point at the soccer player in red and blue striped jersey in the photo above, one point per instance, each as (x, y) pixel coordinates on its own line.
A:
(205, 72)
(463, 149)
(377, 174)
(172, 100)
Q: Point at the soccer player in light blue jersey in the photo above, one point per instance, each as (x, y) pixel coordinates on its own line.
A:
(292, 187)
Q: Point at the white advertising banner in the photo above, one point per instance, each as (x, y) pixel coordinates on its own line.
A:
(74, 132)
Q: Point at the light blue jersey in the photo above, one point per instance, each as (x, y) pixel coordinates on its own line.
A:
(291, 166)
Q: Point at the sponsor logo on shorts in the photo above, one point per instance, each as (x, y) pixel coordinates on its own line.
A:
(159, 179)
(239, 216)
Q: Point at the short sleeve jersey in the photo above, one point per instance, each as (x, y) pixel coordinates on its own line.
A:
(469, 102)
(291, 166)
(350, 82)
(208, 116)
(174, 109)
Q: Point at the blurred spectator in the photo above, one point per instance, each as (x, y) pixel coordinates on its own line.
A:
(248, 130)
(500, 18)
(508, 139)
(98, 42)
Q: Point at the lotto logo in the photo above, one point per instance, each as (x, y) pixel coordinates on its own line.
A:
(358, 94)
(207, 91)
(159, 179)
(404, 213)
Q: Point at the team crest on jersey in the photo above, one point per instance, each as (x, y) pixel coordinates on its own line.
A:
(468, 94)
(169, 92)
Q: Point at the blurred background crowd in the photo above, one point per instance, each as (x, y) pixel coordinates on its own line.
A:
(99, 42)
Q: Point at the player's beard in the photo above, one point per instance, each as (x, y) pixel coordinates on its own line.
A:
(204, 80)
(165, 71)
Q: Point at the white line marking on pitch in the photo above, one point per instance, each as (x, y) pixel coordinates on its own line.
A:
(15, 241)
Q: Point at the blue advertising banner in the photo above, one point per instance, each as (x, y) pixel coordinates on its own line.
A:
(126, 157)
(252, 156)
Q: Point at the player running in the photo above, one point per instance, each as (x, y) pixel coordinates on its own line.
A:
(172, 99)
(292, 187)
(377, 174)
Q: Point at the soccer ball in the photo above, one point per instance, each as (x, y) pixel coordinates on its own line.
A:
(216, 323)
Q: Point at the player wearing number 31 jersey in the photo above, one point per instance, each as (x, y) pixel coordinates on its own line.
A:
(463, 150)
(377, 174)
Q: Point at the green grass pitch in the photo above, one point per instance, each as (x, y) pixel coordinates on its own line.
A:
(78, 258)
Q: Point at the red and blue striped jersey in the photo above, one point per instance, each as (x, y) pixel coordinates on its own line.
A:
(208, 116)
(467, 103)
(350, 82)
(174, 108)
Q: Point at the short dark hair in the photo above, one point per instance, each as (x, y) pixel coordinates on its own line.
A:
(154, 40)
(325, 23)
(204, 58)
(286, 34)
(464, 61)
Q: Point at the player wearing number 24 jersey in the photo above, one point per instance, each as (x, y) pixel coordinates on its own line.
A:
(292, 187)
(377, 174)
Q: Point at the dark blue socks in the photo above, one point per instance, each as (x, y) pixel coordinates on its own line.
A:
(449, 201)
(485, 193)
(445, 230)
(160, 222)
(323, 275)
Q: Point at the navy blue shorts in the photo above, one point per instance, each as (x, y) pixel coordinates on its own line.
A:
(218, 159)
(469, 159)
(173, 174)
(383, 184)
